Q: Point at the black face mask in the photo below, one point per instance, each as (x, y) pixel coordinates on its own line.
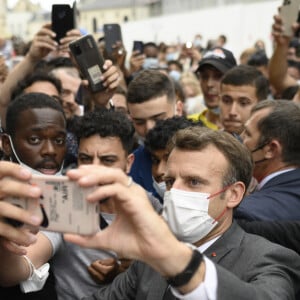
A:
(259, 148)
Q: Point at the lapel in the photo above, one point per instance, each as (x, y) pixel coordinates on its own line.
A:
(229, 240)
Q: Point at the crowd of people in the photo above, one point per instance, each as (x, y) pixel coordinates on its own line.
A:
(194, 157)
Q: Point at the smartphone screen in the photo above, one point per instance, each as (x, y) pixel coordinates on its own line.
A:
(63, 19)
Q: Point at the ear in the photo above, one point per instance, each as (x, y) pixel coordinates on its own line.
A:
(130, 160)
(6, 146)
(237, 191)
(273, 149)
(179, 108)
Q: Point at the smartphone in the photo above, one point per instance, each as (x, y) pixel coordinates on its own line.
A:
(63, 19)
(89, 60)
(138, 46)
(62, 206)
(289, 14)
(112, 35)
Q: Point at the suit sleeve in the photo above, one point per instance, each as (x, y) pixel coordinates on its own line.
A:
(274, 277)
(285, 233)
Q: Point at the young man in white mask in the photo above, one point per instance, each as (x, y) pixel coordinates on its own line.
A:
(207, 175)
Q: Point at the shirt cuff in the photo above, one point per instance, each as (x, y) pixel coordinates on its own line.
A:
(206, 290)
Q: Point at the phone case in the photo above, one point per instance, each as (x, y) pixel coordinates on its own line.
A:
(138, 46)
(112, 34)
(289, 14)
(63, 18)
(63, 206)
(89, 60)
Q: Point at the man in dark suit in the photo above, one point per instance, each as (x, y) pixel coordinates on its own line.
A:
(272, 134)
(207, 175)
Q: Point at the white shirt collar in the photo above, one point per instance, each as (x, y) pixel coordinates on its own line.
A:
(206, 245)
(272, 175)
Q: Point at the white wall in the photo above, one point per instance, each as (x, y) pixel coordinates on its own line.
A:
(243, 24)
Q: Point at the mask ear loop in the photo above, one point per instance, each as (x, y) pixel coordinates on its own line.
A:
(220, 192)
(225, 209)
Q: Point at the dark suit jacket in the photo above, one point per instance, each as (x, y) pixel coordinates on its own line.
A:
(278, 199)
(248, 267)
(285, 233)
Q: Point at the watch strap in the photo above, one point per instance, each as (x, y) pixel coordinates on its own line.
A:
(186, 275)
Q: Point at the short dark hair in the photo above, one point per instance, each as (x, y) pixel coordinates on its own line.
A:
(177, 63)
(282, 124)
(36, 77)
(151, 44)
(106, 123)
(150, 84)
(294, 64)
(290, 92)
(239, 159)
(258, 58)
(157, 138)
(60, 62)
(248, 75)
(25, 102)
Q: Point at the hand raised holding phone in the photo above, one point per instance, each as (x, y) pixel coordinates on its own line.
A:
(289, 12)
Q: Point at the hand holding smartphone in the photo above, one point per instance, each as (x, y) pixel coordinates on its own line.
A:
(62, 207)
(63, 19)
(89, 60)
(289, 14)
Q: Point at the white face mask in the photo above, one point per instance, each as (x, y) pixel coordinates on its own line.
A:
(187, 214)
(33, 171)
(175, 75)
(141, 139)
(150, 62)
(160, 187)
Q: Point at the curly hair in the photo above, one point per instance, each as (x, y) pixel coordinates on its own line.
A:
(157, 138)
(106, 123)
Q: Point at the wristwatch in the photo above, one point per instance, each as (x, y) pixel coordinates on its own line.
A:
(185, 276)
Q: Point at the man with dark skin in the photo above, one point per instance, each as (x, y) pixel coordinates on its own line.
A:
(36, 134)
(35, 138)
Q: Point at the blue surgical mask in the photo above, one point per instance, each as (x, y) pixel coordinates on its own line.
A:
(160, 187)
(198, 42)
(174, 74)
(150, 62)
(171, 56)
(215, 110)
